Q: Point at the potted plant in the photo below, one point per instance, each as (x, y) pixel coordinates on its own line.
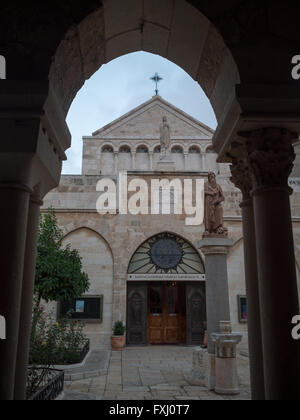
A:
(118, 337)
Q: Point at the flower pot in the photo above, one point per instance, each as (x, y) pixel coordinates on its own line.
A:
(117, 342)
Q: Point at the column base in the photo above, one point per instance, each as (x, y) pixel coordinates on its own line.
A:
(211, 379)
(227, 382)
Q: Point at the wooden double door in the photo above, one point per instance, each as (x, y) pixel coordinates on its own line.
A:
(166, 313)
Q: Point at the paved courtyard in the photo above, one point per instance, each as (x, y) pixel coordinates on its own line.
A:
(150, 373)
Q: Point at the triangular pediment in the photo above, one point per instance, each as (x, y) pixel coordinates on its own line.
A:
(144, 121)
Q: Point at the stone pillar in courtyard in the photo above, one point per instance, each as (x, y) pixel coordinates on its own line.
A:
(270, 157)
(215, 246)
(227, 380)
(241, 177)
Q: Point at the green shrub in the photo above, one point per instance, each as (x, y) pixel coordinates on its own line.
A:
(119, 328)
(55, 343)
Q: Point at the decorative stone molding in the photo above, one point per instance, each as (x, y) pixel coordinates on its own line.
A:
(270, 156)
(241, 177)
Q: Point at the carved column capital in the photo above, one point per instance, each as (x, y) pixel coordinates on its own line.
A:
(241, 177)
(270, 156)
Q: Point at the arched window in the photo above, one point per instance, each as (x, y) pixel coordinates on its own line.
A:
(166, 254)
(210, 149)
(124, 149)
(177, 150)
(107, 149)
(157, 149)
(142, 149)
(194, 150)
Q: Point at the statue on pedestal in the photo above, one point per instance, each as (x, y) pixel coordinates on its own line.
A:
(213, 212)
(165, 138)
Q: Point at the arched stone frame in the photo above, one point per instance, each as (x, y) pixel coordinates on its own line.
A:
(142, 144)
(142, 159)
(178, 158)
(107, 145)
(109, 32)
(101, 274)
(211, 163)
(194, 161)
(235, 36)
(125, 145)
(181, 237)
(107, 159)
(125, 162)
(154, 147)
(194, 146)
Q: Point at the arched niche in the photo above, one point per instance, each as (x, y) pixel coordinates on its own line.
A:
(194, 159)
(125, 158)
(142, 161)
(97, 260)
(107, 160)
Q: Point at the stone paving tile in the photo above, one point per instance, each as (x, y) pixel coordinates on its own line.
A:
(72, 396)
(151, 373)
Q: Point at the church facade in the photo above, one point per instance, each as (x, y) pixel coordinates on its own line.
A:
(147, 268)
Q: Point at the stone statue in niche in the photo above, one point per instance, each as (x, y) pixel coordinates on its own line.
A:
(165, 138)
(213, 211)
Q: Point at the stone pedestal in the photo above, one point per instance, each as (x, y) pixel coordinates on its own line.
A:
(227, 382)
(198, 375)
(215, 250)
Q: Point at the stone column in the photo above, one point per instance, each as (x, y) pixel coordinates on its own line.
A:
(33, 139)
(27, 298)
(186, 155)
(217, 293)
(242, 180)
(133, 160)
(151, 153)
(270, 156)
(203, 156)
(116, 162)
(13, 227)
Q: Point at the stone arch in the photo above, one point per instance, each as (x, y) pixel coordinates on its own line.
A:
(194, 148)
(125, 148)
(77, 226)
(107, 159)
(107, 148)
(124, 157)
(142, 148)
(211, 163)
(98, 263)
(156, 148)
(194, 158)
(178, 151)
(173, 236)
(142, 159)
(175, 30)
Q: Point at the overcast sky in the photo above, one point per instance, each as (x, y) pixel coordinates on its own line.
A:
(124, 84)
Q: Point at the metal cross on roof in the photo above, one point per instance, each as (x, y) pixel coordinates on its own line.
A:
(156, 79)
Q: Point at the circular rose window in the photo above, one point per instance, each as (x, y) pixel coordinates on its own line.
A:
(166, 253)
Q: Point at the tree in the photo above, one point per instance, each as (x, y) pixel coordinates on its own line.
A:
(59, 275)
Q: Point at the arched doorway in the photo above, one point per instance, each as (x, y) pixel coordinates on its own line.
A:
(166, 293)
